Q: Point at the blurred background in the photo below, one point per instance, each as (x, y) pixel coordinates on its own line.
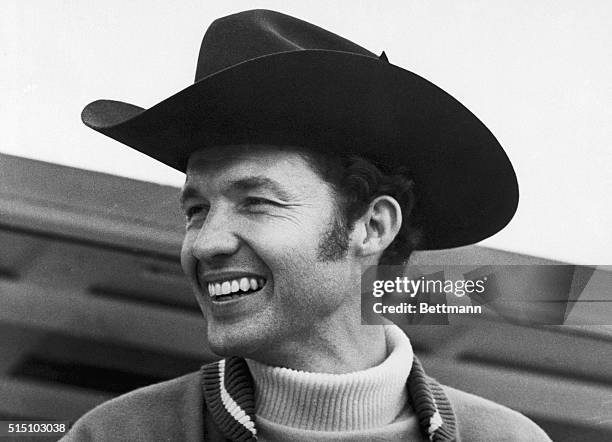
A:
(92, 299)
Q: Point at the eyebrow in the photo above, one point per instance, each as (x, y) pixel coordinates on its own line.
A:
(246, 184)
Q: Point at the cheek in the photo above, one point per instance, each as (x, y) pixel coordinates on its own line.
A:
(291, 256)
(284, 246)
(296, 229)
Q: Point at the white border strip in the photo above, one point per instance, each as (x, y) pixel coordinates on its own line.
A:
(231, 406)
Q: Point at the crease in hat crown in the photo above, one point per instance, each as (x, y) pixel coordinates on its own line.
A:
(257, 33)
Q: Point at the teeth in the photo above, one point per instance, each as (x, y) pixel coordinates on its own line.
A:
(226, 288)
(244, 284)
(234, 287)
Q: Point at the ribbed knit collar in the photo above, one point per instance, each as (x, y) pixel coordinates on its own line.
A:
(229, 393)
(364, 399)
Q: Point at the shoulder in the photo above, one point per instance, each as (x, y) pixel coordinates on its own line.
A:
(170, 410)
(480, 419)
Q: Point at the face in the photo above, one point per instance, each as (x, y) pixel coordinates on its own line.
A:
(259, 249)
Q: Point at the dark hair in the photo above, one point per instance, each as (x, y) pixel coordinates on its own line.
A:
(357, 181)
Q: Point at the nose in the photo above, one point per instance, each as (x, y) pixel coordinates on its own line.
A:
(216, 239)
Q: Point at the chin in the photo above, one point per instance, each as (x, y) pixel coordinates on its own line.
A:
(235, 340)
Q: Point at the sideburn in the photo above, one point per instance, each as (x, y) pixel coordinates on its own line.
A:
(334, 242)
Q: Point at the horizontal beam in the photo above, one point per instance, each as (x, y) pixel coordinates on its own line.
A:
(110, 320)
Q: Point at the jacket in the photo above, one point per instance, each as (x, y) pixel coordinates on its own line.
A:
(217, 404)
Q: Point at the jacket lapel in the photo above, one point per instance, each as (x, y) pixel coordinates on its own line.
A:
(228, 391)
(431, 405)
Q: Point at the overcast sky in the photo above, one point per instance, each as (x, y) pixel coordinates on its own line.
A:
(537, 73)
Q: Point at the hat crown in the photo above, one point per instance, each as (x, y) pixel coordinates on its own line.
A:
(251, 34)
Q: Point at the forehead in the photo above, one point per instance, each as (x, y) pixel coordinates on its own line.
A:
(288, 166)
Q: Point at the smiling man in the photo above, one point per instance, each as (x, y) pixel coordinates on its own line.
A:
(296, 144)
(257, 250)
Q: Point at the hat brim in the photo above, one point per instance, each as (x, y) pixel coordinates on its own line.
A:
(337, 102)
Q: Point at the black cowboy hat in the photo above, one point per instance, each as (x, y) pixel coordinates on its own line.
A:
(268, 78)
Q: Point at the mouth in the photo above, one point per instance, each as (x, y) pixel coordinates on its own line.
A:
(225, 290)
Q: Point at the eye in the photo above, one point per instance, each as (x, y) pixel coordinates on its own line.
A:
(256, 201)
(255, 204)
(194, 211)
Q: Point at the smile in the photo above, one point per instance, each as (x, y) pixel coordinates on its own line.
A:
(228, 289)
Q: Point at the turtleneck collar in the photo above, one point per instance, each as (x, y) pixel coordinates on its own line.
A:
(336, 402)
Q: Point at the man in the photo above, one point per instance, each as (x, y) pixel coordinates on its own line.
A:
(296, 145)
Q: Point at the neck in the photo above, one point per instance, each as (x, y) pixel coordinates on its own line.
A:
(341, 347)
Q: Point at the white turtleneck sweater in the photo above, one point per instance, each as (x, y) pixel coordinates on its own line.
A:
(361, 406)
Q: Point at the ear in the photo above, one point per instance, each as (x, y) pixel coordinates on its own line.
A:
(379, 225)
